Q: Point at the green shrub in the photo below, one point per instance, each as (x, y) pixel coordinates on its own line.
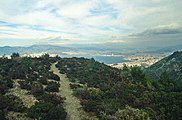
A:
(131, 114)
(37, 89)
(14, 103)
(2, 115)
(47, 111)
(52, 87)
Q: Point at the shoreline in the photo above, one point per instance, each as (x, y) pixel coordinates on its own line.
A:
(144, 60)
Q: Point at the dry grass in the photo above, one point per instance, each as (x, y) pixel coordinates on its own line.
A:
(28, 99)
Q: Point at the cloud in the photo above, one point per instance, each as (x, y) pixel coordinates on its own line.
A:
(118, 41)
(161, 30)
(19, 31)
(87, 20)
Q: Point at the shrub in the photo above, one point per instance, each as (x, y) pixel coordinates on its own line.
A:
(46, 111)
(37, 89)
(43, 80)
(54, 76)
(52, 87)
(51, 98)
(3, 88)
(57, 113)
(131, 114)
(25, 84)
(75, 86)
(14, 103)
(39, 110)
(2, 115)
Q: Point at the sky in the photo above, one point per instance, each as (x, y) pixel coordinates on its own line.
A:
(60, 22)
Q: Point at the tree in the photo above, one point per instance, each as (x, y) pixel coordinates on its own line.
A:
(137, 74)
(45, 56)
(166, 83)
(126, 68)
(15, 55)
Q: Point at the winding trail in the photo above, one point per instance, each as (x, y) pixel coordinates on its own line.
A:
(72, 104)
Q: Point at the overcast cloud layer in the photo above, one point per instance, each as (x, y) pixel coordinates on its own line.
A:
(26, 22)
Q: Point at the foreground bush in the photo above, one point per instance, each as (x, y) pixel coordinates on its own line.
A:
(37, 89)
(52, 87)
(47, 111)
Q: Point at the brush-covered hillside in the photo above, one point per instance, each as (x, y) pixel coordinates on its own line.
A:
(28, 90)
(37, 88)
(172, 65)
(113, 94)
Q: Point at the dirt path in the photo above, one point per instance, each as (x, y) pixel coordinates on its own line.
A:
(72, 104)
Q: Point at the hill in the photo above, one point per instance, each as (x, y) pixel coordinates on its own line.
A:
(34, 88)
(172, 65)
(107, 92)
(34, 49)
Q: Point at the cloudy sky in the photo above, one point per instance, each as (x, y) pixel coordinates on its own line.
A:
(27, 22)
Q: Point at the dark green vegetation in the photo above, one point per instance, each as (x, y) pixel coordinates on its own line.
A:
(49, 107)
(32, 74)
(108, 93)
(113, 94)
(172, 65)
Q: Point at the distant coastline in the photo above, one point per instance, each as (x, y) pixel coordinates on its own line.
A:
(144, 60)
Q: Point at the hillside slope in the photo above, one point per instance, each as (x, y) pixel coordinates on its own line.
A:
(99, 90)
(172, 65)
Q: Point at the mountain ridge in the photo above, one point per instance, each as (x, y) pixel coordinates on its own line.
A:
(33, 49)
(171, 64)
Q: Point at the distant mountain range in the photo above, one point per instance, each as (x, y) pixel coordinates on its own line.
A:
(170, 49)
(107, 48)
(172, 65)
(34, 49)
